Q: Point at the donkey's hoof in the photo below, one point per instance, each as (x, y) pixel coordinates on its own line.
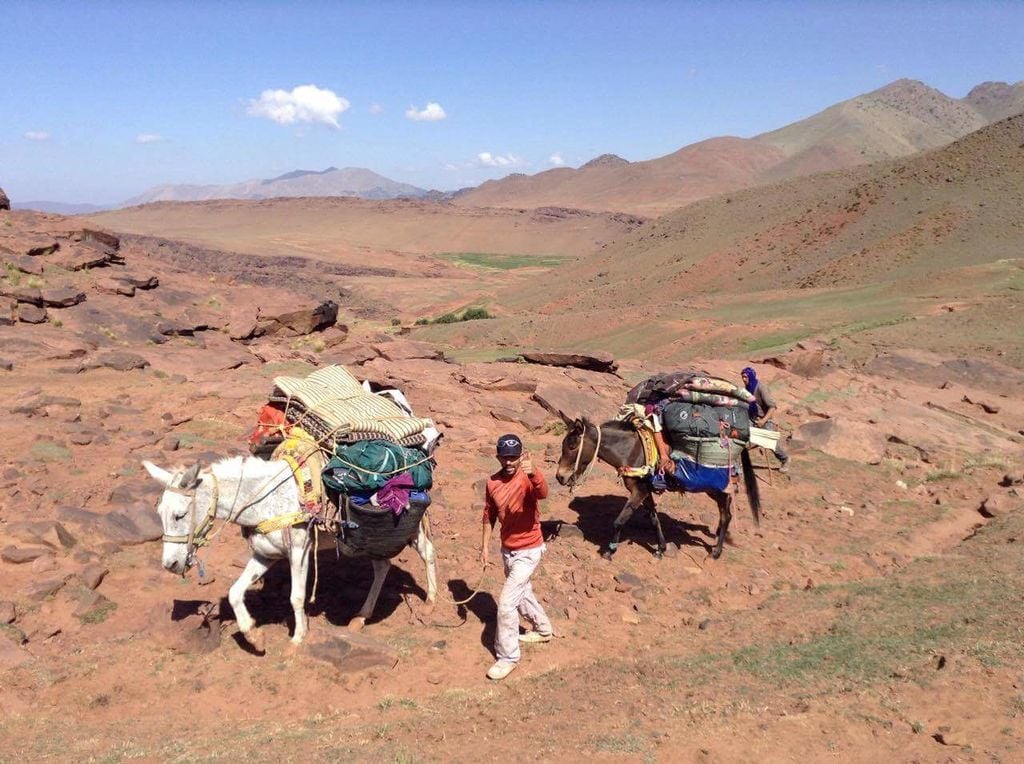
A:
(607, 554)
(256, 639)
(356, 624)
(716, 553)
(659, 554)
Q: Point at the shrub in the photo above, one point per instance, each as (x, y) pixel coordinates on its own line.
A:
(447, 318)
(472, 314)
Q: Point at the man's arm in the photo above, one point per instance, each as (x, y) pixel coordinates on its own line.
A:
(536, 477)
(489, 518)
(485, 539)
(665, 463)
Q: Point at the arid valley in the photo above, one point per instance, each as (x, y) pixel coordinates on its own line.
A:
(874, 614)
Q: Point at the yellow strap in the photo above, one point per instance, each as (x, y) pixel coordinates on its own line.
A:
(281, 521)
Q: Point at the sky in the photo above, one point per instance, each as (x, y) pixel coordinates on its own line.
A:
(102, 100)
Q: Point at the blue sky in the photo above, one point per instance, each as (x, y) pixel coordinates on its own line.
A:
(100, 100)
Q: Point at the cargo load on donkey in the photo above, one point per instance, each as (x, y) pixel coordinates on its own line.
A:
(699, 423)
(362, 459)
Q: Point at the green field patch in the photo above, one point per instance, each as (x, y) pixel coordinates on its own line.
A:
(498, 262)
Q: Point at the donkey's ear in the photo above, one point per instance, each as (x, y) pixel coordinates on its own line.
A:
(162, 476)
(579, 425)
(191, 478)
(565, 418)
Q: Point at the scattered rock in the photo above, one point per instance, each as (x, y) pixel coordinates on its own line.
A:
(92, 575)
(631, 618)
(569, 531)
(62, 298)
(44, 564)
(25, 295)
(703, 625)
(136, 524)
(92, 606)
(568, 401)
(32, 314)
(41, 589)
(119, 360)
(995, 504)
(19, 555)
(49, 533)
(946, 736)
(627, 582)
(114, 286)
(351, 652)
(8, 613)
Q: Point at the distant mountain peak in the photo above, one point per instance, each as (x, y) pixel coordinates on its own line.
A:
(300, 174)
(605, 160)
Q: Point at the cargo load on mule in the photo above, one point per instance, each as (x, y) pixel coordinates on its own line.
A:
(363, 460)
(704, 420)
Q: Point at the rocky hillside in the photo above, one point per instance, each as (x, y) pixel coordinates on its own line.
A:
(897, 120)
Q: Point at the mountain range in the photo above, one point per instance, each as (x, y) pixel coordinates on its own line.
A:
(349, 181)
(900, 119)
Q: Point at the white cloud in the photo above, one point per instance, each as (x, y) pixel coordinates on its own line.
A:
(305, 103)
(488, 159)
(432, 112)
(376, 108)
(148, 138)
(556, 159)
(37, 135)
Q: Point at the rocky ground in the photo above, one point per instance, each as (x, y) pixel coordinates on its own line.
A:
(872, 613)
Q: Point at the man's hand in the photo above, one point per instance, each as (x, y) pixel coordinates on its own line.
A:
(666, 465)
(483, 557)
(527, 463)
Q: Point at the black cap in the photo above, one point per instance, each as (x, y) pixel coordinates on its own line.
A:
(510, 445)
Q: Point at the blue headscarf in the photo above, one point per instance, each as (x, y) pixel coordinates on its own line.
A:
(751, 387)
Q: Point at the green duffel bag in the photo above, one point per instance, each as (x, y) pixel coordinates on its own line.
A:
(365, 466)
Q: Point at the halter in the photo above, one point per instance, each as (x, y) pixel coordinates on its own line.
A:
(196, 536)
(577, 477)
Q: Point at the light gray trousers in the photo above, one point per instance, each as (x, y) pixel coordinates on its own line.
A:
(517, 598)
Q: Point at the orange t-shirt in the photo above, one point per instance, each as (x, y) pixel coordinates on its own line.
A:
(513, 500)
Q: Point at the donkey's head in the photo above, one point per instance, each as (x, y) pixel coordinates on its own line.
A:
(184, 524)
(569, 463)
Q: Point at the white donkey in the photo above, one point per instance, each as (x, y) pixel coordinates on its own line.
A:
(248, 491)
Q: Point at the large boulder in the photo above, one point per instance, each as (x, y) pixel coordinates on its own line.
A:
(591, 361)
(297, 322)
(5, 203)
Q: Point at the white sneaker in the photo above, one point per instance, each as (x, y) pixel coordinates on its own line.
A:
(534, 637)
(500, 670)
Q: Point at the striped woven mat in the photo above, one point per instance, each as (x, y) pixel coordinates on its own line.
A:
(331, 403)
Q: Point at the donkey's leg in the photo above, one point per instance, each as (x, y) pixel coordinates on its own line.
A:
(656, 521)
(252, 573)
(724, 518)
(380, 571)
(425, 549)
(299, 560)
(636, 497)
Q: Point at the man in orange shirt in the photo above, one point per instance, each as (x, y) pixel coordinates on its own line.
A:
(512, 497)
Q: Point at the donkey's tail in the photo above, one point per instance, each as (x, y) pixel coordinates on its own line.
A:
(750, 484)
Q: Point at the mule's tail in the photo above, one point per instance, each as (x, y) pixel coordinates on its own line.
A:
(750, 484)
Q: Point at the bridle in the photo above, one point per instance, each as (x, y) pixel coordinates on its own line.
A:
(577, 478)
(197, 532)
